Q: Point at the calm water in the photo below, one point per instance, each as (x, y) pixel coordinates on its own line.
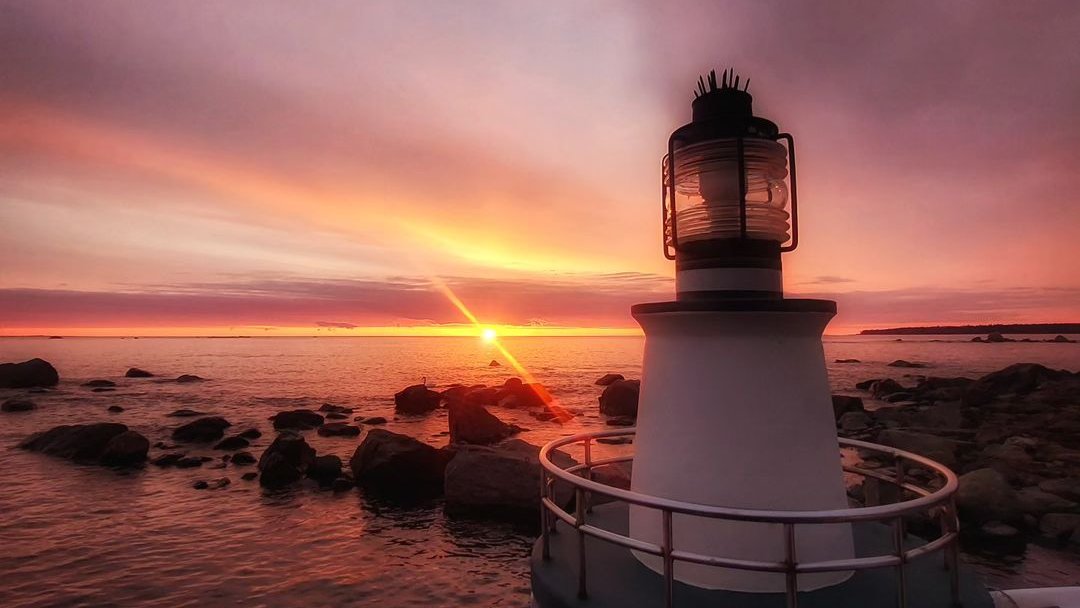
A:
(74, 535)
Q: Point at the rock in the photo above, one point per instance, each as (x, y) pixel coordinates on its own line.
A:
(847, 361)
(285, 461)
(184, 413)
(336, 416)
(335, 409)
(936, 448)
(474, 424)
(854, 421)
(249, 476)
(243, 458)
(620, 398)
(17, 405)
(494, 363)
(984, 496)
(203, 430)
(341, 484)
(297, 420)
(135, 372)
(996, 337)
(167, 460)
(977, 339)
(374, 420)
(189, 378)
(515, 394)
(1017, 379)
(189, 462)
(99, 384)
(621, 421)
(997, 530)
(866, 384)
(843, 404)
(1062, 339)
(1068, 488)
(1038, 502)
(115, 409)
(325, 469)
(200, 485)
(607, 379)
(1059, 526)
(338, 429)
(502, 480)
(235, 442)
(250, 434)
(397, 463)
(886, 387)
(416, 399)
(103, 389)
(909, 364)
(615, 440)
(35, 372)
(126, 449)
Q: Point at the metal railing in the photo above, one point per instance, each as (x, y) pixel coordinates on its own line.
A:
(937, 503)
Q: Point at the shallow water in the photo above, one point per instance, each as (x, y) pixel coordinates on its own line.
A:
(76, 535)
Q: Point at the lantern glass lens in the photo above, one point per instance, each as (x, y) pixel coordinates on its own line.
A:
(707, 190)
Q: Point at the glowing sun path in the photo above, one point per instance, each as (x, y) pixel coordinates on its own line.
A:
(490, 335)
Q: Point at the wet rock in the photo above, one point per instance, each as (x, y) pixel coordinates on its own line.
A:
(167, 460)
(126, 449)
(494, 363)
(996, 337)
(203, 430)
(544, 416)
(1061, 339)
(498, 480)
(189, 462)
(339, 429)
(249, 476)
(397, 463)
(297, 420)
(17, 405)
(984, 495)
(35, 372)
(1017, 379)
(854, 421)
(342, 484)
(416, 399)
(102, 389)
(1039, 502)
(473, 424)
(908, 364)
(941, 449)
(243, 458)
(607, 379)
(842, 404)
(325, 469)
(1068, 488)
(847, 361)
(235, 442)
(1059, 526)
(285, 461)
(374, 420)
(201, 485)
(885, 387)
(620, 398)
(335, 409)
(115, 409)
(866, 384)
(99, 384)
(135, 372)
(250, 434)
(615, 440)
(516, 394)
(336, 416)
(184, 413)
(621, 421)
(189, 378)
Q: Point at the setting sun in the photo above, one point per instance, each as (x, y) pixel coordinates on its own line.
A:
(489, 334)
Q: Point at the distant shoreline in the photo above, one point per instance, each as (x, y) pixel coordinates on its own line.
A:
(1017, 328)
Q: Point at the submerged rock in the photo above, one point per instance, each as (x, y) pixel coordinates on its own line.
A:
(135, 372)
(297, 419)
(286, 461)
(398, 463)
(190, 462)
(99, 384)
(235, 442)
(203, 430)
(115, 409)
(373, 420)
(91, 443)
(189, 378)
(184, 413)
(167, 460)
(471, 423)
(607, 379)
(847, 361)
(17, 405)
(416, 399)
(908, 364)
(620, 398)
(338, 429)
(335, 409)
(35, 372)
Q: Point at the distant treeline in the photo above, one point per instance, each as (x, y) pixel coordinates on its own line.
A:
(1031, 328)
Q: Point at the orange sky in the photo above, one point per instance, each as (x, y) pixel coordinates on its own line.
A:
(195, 169)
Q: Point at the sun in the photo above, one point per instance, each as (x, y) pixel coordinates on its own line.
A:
(489, 334)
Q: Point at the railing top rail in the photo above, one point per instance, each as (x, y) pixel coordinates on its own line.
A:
(879, 512)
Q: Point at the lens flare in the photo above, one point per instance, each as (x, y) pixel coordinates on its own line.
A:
(489, 334)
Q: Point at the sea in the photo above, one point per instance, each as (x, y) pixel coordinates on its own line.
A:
(74, 535)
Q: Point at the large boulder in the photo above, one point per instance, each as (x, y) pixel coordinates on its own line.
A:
(941, 449)
(35, 372)
(416, 399)
(286, 461)
(17, 405)
(620, 398)
(325, 469)
(607, 379)
(297, 420)
(203, 430)
(984, 495)
(1017, 379)
(502, 480)
(471, 423)
(398, 463)
(91, 443)
(136, 372)
(516, 394)
(885, 387)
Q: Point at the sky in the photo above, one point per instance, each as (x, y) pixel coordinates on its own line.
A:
(189, 167)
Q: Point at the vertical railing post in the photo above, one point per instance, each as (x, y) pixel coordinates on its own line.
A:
(669, 561)
(952, 553)
(545, 540)
(579, 520)
(790, 563)
(588, 472)
(901, 568)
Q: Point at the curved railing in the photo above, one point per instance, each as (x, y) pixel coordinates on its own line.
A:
(937, 503)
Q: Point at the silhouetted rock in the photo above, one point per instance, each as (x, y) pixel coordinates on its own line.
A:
(909, 364)
(17, 405)
(866, 384)
(189, 378)
(886, 387)
(203, 430)
(342, 484)
(249, 476)
(936, 448)
(1061, 339)
(374, 420)
(416, 399)
(516, 394)
(843, 404)
(996, 337)
(847, 361)
(135, 372)
(336, 416)
(621, 421)
(202, 484)
(620, 398)
(1020, 378)
(607, 379)
(91, 443)
(285, 461)
(338, 429)
(984, 495)
(243, 458)
(126, 449)
(213, 484)
(190, 462)
(1068, 488)
(297, 420)
(99, 384)
(250, 433)
(325, 469)
(35, 372)
(473, 424)
(335, 409)
(854, 421)
(494, 363)
(167, 460)
(184, 413)
(500, 480)
(235, 442)
(398, 463)
(103, 389)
